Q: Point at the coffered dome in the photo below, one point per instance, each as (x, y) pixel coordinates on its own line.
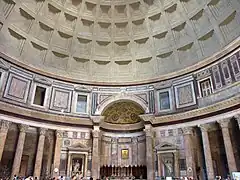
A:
(116, 41)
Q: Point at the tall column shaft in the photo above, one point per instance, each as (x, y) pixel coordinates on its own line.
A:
(50, 155)
(176, 164)
(96, 155)
(149, 152)
(228, 145)
(188, 144)
(3, 136)
(39, 154)
(207, 152)
(19, 150)
(57, 153)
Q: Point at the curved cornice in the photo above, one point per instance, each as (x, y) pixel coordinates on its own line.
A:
(226, 50)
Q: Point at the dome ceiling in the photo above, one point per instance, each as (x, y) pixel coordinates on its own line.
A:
(116, 40)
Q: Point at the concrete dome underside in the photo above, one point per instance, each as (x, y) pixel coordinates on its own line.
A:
(119, 40)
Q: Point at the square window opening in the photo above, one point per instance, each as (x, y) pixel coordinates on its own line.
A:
(39, 96)
(81, 104)
(164, 101)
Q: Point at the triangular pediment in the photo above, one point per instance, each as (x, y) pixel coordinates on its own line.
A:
(166, 146)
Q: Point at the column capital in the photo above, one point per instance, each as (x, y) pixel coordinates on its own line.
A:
(206, 127)
(96, 133)
(148, 130)
(59, 133)
(5, 125)
(23, 127)
(42, 131)
(97, 119)
(187, 130)
(147, 117)
(224, 123)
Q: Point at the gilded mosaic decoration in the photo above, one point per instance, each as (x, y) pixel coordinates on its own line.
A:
(123, 113)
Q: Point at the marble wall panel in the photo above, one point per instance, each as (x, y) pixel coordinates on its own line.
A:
(185, 94)
(17, 88)
(61, 99)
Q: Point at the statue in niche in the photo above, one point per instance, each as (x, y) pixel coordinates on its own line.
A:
(169, 168)
(76, 166)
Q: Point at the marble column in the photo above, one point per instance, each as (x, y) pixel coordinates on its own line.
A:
(207, 151)
(50, 154)
(39, 154)
(57, 153)
(96, 154)
(19, 150)
(3, 135)
(149, 152)
(189, 153)
(176, 164)
(224, 124)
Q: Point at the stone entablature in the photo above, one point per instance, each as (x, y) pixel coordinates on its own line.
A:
(17, 87)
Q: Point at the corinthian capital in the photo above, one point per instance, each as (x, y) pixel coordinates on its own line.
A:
(224, 123)
(148, 130)
(206, 127)
(96, 133)
(5, 125)
(97, 119)
(59, 134)
(42, 131)
(23, 127)
(187, 130)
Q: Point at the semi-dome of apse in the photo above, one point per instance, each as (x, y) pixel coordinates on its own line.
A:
(116, 41)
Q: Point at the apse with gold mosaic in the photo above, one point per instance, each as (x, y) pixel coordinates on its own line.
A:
(123, 113)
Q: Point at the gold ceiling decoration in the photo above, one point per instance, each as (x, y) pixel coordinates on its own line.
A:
(123, 113)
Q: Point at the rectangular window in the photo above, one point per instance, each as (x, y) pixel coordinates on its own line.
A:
(206, 88)
(81, 104)
(164, 102)
(39, 96)
(182, 164)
